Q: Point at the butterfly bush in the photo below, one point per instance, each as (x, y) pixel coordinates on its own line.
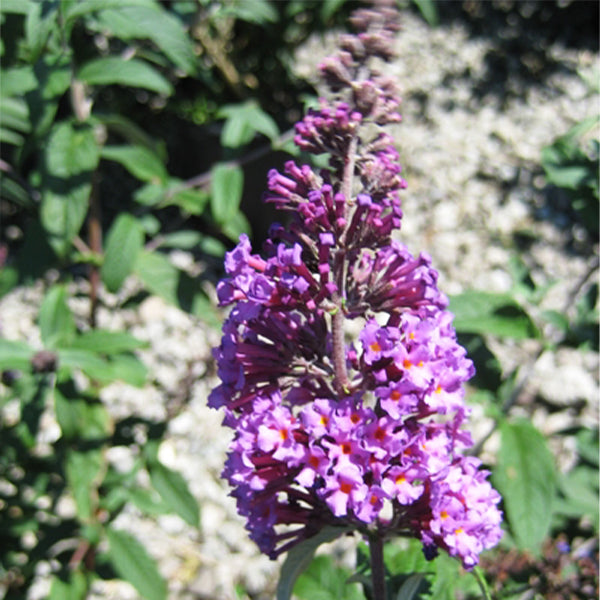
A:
(366, 435)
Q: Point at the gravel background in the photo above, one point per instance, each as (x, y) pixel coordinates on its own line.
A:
(470, 145)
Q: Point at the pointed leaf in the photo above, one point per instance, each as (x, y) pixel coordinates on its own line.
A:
(57, 325)
(300, 556)
(131, 73)
(526, 477)
(131, 561)
(15, 355)
(107, 342)
(72, 149)
(226, 192)
(84, 471)
(124, 242)
(140, 161)
(496, 314)
(173, 489)
(156, 24)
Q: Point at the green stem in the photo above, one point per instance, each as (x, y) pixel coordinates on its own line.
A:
(485, 590)
(377, 566)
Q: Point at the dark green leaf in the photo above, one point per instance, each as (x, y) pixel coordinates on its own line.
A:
(84, 473)
(300, 556)
(131, 73)
(324, 580)
(15, 114)
(236, 226)
(14, 355)
(90, 363)
(253, 11)
(74, 587)
(131, 132)
(158, 274)
(186, 240)
(57, 325)
(81, 418)
(226, 192)
(131, 561)
(63, 211)
(410, 588)
(173, 489)
(490, 313)
(72, 149)
(330, 7)
(19, 7)
(190, 201)
(428, 10)
(79, 8)
(39, 23)
(129, 369)
(140, 161)
(156, 24)
(526, 477)
(243, 121)
(124, 242)
(107, 342)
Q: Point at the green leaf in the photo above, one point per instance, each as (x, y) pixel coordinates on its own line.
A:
(410, 588)
(15, 114)
(15, 355)
(63, 211)
(324, 580)
(190, 201)
(140, 161)
(57, 325)
(243, 121)
(158, 274)
(18, 7)
(259, 12)
(129, 369)
(526, 477)
(173, 489)
(330, 7)
(226, 192)
(124, 242)
(131, 132)
(16, 81)
(300, 556)
(80, 418)
(107, 342)
(79, 8)
(156, 24)
(185, 239)
(84, 472)
(131, 561)
(73, 587)
(428, 11)
(490, 313)
(39, 23)
(72, 149)
(71, 155)
(90, 363)
(131, 73)
(237, 225)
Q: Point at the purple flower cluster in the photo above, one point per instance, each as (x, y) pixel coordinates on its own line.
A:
(365, 435)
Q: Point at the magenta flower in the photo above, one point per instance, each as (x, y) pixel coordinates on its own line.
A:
(366, 435)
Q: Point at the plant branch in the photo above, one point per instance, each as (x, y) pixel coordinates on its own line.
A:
(377, 565)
